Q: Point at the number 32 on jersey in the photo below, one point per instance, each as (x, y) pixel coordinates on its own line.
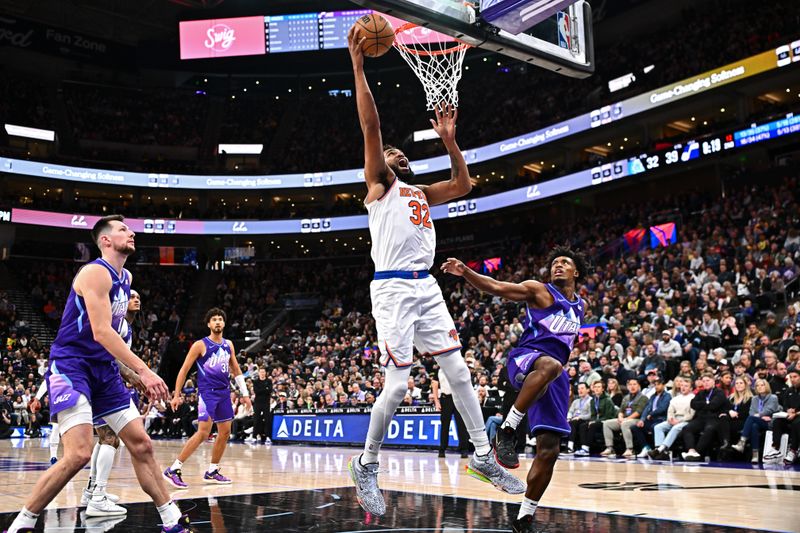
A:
(420, 212)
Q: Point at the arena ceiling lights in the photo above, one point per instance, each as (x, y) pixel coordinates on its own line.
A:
(240, 149)
(31, 133)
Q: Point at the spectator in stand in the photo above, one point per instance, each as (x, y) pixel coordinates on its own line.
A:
(708, 404)
(670, 350)
(763, 405)
(632, 361)
(789, 424)
(601, 410)
(579, 414)
(710, 332)
(587, 373)
(5, 423)
(614, 391)
(679, 413)
(655, 412)
(633, 405)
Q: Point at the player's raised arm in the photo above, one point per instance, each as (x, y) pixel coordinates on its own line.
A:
(94, 284)
(459, 183)
(194, 352)
(527, 291)
(376, 172)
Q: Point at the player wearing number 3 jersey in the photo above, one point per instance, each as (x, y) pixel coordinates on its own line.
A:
(216, 362)
(407, 303)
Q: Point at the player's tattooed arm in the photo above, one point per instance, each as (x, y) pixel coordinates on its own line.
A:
(459, 183)
(131, 377)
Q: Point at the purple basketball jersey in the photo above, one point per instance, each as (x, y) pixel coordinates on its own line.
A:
(212, 366)
(75, 337)
(552, 330)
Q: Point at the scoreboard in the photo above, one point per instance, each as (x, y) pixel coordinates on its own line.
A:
(272, 34)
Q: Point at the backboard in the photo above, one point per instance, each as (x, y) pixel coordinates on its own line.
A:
(561, 41)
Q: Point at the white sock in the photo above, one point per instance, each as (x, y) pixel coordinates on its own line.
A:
(213, 467)
(528, 507)
(105, 460)
(55, 438)
(394, 389)
(93, 467)
(466, 399)
(24, 519)
(170, 514)
(570, 445)
(513, 419)
(176, 465)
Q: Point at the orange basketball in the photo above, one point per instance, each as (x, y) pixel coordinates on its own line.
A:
(379, 34)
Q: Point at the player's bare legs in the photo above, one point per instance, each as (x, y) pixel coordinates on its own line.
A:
(202, 434)
(144, 462)
(539, 476)
(545, 370)
(223, 434)
(77, 443)
(212, 475)
(547, 451)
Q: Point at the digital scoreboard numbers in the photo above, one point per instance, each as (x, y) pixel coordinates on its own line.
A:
(292, 33)
(326, 30)
(334, 26)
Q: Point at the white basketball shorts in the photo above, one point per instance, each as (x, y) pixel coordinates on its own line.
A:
(411, 313)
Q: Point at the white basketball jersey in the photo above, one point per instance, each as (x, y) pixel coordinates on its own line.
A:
(401, 227)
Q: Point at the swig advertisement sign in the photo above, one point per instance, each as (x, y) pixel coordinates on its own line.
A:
(243, 36)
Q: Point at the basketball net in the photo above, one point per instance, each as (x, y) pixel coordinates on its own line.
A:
(435, 58)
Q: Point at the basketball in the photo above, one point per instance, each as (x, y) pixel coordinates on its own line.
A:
(379, 34)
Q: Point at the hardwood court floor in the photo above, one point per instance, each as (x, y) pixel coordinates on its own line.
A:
(595, 495)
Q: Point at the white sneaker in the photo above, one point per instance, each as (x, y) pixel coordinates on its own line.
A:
(773, 456)
(790, 458)
(582, 453)
(87, 495)
(690, 455)
(643, 453)
(104, 507)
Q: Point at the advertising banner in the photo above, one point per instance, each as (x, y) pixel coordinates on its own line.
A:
(243, 36)
(406, 429)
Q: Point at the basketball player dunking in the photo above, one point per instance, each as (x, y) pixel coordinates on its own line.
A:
(85, 384)
(216, 361)
(536, 366)
(407, 303)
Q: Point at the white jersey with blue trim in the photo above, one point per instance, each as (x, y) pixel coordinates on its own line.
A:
(401, 228)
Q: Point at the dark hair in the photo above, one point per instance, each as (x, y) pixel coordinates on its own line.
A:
(102, 225)
(215, 311)
(387, 147)
(581, 264)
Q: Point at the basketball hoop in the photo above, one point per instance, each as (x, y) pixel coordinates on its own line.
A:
(435, 58)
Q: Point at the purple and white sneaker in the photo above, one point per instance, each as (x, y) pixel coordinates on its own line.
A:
(174, 478)
(216, 478)
(183, 526)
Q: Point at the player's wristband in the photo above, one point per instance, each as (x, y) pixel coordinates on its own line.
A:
(242, 385)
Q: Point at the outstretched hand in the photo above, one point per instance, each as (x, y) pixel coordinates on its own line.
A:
(445, 123)
(354, 42)
(454, 266)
